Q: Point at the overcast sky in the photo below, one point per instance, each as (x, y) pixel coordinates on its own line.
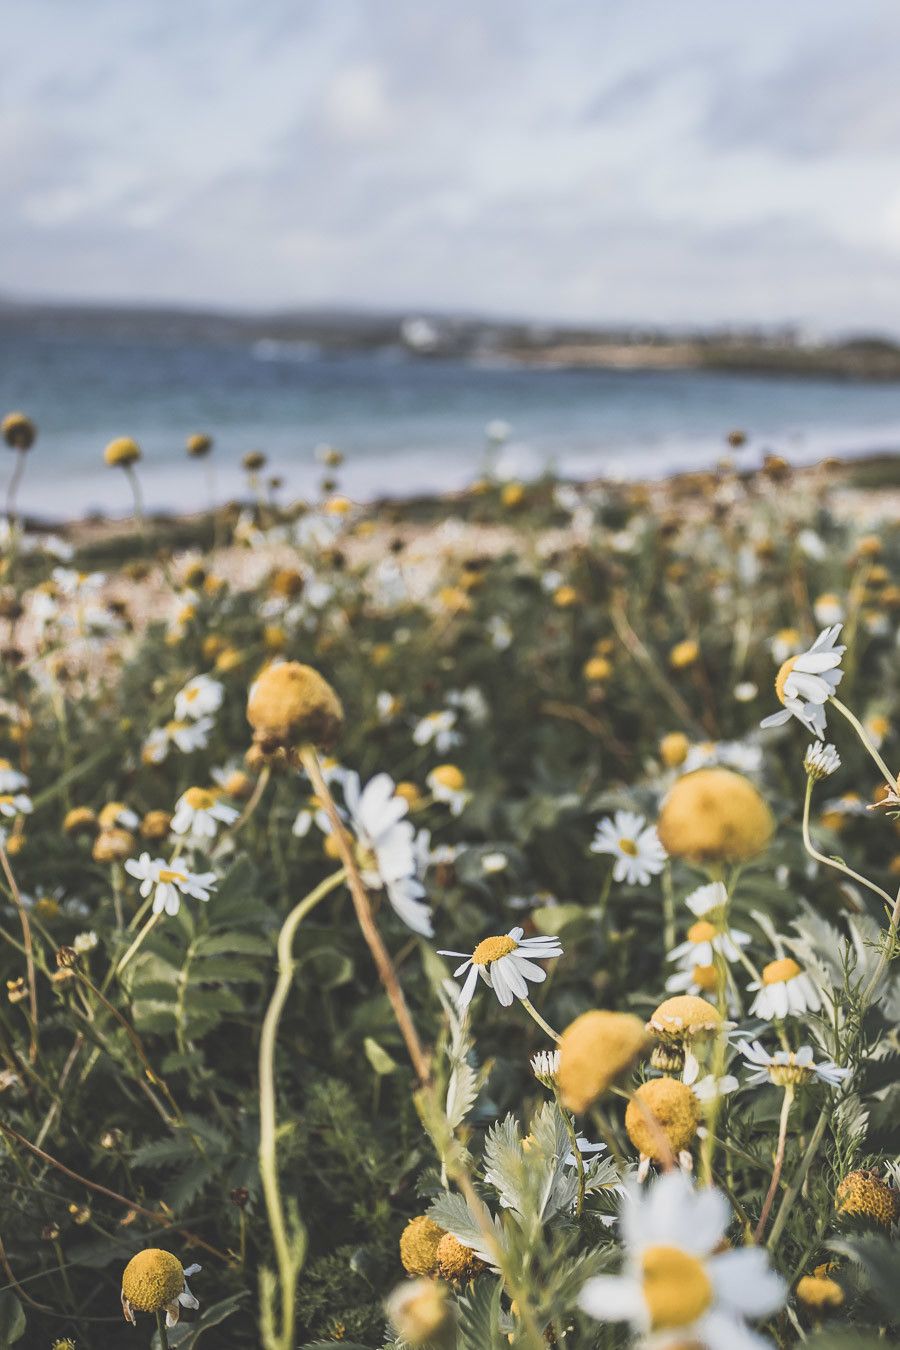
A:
(649, 160)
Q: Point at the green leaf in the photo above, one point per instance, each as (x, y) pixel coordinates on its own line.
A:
(186, 1335)
(12, 1319)
(479, 1308)
(879, 1260)
(380, 1060)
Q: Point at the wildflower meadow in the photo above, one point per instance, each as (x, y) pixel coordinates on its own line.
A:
(458, 922)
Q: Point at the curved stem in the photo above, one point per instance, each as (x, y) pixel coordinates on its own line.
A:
(798, 1179)
(366, 919)
(544, 1026)
(832, 862)
(286, 1252)
(891, 779)
(779, 1162)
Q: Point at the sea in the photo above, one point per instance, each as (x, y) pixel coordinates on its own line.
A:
(406, 425)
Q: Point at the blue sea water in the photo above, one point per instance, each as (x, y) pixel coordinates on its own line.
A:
(405, 425)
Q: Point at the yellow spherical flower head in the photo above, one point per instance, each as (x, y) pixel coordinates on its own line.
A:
(18, 431)
(113, 845)
(513, 494)
(673, 749)
(154, 1281)
(122, 452)
(420, 1311)
(595, 1050)
(454, 1261)
(566, 597)
(419, 1244)
(199, 445)
(253, 461)
(684, 654)
(291, 705)
(597, 669)
(678, 1024)
(80, 820)
(663, 1111)
(714, 815)
(819, 1293)
(863, 1195)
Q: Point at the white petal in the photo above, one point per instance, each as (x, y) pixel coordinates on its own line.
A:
(612, 1298)
(744, 1280)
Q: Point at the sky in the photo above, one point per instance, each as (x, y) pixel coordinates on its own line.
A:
(607, 161)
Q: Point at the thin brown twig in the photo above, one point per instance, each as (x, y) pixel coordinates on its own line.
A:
(366, 919)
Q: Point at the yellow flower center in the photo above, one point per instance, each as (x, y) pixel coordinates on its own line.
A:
(152, 1279)
(190, 694)
(199, 799)
(701, 932)
(677, 1289)
(781, 677)
(628, 846)
(777, 972)
(491, 949)
(705, 978)
(449, 776)
(165, 874)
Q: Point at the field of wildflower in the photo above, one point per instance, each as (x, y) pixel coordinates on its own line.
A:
(456, 923)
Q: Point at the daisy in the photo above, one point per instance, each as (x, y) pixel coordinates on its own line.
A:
(437, 729)
(14, 804)
(820, 760)
(505, 963)
(635, 846)
(168, 882)
(545, 1067)
(785, 990)
(447, 784)
(11, 780)
(386, 846)
(200, 697)
(184, 736)
(710, 935)
(678, 1285)
(153, 1281)
(712, 1088)
(805, 683)
(199, 812)
(788, 1067)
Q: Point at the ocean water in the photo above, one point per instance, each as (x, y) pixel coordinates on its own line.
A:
(405, 425)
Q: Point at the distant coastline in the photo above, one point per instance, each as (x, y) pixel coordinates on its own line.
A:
(428, 336)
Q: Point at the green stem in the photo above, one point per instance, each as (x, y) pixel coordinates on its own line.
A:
(573, 1140)
(891, 780)
(833, 862)
(289, 1249)
(786, 1105)
(545, 1026)
(161, 1330)
(798, 1179)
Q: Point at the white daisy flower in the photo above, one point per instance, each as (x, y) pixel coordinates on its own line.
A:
(820, 760)
(77, 585)
(545, 1067)
(386, 846)
(169, 882)
(711, 1088)
(785, 990)
(437, 729)
(447, 784)
(731, 754)
(710, 935)
(184, 736)
(786, 1067)
(805, 683)
(387, 706)
(201, 697)
(199, 813)
(828, 610)
(505, 963)
(15, 804)
(11, 780)
(85, 942)
(634, 845)
(678, 1286)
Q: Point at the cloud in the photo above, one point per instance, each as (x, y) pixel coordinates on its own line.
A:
(601, 163)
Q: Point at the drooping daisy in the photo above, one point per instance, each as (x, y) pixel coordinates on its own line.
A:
(154, 1280)
(447, 784)
(505, 963)
(201, 697)
(386, 845)
(199, 813)
(169, 882)
(821, 760)
(437, 729)
(805, 683)
(184, 736)
(785, 990)
(678, 1285)
(635, 846)
(787, 1067)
